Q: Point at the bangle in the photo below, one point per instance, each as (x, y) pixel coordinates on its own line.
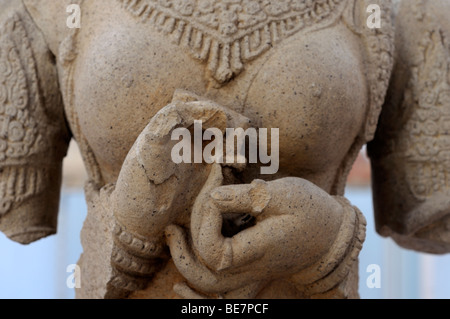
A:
(336, 264)
(140, 247)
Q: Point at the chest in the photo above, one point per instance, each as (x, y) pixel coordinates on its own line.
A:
(310, 85)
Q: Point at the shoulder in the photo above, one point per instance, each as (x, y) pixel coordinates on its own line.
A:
(50, 17)
(422, 45)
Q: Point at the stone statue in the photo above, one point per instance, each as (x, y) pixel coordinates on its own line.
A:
(138, 70)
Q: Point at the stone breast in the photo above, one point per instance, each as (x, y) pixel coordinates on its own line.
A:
(310, 86)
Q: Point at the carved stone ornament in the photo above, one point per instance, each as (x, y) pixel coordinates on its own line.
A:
(416, 146)
(228, 34)
(313, 73)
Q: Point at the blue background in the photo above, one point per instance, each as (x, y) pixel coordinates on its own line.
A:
(39, 270)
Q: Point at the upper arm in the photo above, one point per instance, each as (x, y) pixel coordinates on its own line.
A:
(33, 132)
(50, 17)
(411, 152)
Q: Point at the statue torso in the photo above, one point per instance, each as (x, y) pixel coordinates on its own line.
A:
(309, 84)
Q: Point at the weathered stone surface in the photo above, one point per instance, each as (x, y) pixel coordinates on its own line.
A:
(33, 135)
(410, 155)
(310, 72)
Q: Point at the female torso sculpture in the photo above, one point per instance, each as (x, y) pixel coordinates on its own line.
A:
(137, 70)
(309, 82)
(298, 95)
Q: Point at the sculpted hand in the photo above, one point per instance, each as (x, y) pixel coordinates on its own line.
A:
(296, 225)
(152, 191)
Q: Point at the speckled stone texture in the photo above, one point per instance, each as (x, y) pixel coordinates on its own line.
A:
(137, 70)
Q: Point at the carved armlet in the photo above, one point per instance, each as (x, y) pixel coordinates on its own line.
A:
(328, 277)
(410, 155)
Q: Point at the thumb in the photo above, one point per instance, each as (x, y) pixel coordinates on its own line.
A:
(248, 198)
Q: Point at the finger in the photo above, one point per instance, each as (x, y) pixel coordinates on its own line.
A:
(258, 247)
(233, 198)
(173, 234)
(214, 180)
(186, 262)
(214, 115)
(185, 96)
(182, 255)
(248, 198)
(206, 222)
(196, 273)
(183, 290)
(209, 113)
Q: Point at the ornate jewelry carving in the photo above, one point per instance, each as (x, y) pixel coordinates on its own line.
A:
(226, 34)
(428, 148)
(18, 84)
(19, 99)
(18, 184)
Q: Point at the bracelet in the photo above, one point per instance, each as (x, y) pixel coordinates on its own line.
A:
(125, 284)
(133, 265)
(335, 266)
(134, 259)
(144, 248)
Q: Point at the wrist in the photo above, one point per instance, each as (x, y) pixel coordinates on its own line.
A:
(137, 245)
(333, 268)
(135, 259)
